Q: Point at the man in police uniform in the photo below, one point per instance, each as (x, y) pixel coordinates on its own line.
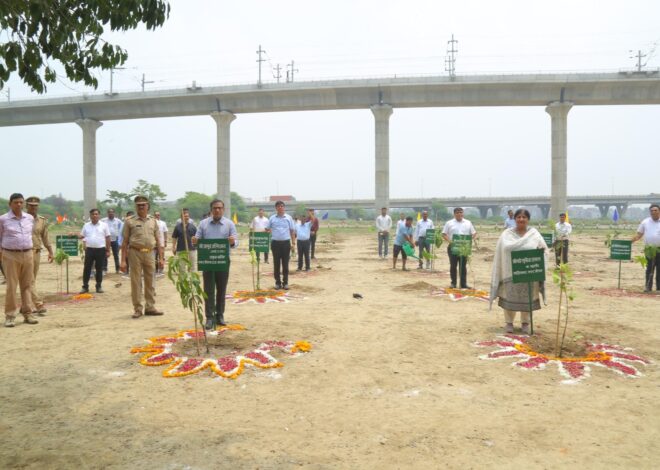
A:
(39, 242)
(140, 238)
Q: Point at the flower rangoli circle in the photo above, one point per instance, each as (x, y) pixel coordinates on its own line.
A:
(460, 294)
(260, 296)
(573, 369)
(160, 352)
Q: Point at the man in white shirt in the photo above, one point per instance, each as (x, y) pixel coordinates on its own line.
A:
(96, 238)
(260, 224)
(383, 225)
(401, 221)
(650, 230)
(420, 237)
(115, 225)
(457, 226)
(162, 230)
(510, 221)
(562, 230)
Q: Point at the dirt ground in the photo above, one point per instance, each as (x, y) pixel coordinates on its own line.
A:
(393, 381)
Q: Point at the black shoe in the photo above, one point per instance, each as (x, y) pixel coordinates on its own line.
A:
(453, 285)
(99, 290)
(466, 287)
(209, 324)
(307, 269)
(266, 262)
(278, 286)
(285, 286)
(299, 269)
(220, 320)
(84, 290)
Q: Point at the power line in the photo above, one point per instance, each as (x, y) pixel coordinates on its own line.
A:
(450, 60)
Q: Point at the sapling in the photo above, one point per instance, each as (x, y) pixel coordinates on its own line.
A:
(60, 258)
(562, 275)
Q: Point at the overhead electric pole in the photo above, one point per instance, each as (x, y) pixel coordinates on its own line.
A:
(450, 59)
(290, 71)
(144, 82)
(259, 61)
(639, 57)
(278, 72)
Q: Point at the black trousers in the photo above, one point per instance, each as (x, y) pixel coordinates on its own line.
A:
(303, 251)
(422, 245)
(215, 286)
(265, 256)
(561, 251)
(453, 266)
(93, 256)
(312, 242)
(281, 254)
(653, 265)
(115, 254)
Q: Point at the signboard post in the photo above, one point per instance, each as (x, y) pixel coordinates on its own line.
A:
(528, 266)
(213, 255)
(430, 240)
(260, 243)
(549, 239)
(69, 245)
(621, 250)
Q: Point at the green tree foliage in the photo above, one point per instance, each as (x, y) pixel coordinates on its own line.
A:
(143, 188)
(356, 214)
(42, 32)
(439, 211)
(196, 203)
(238, 206)
(301, 211)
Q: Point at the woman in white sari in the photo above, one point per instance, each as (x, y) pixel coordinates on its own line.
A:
(515, 297)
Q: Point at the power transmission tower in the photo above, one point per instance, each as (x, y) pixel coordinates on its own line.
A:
(259, 61)
(144, 82)
(290, 71)
(639, 57)
(278, 72)
(450, 59)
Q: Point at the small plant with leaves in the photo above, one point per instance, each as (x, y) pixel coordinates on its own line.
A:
(465, 251)
(562, 276)
(610, 237)
(60, 258)
(187, 282)
(254, 261)
(650, 253)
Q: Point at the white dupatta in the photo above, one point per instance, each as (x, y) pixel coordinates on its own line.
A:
(510, 241)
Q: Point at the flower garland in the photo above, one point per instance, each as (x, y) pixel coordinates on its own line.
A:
(573, 369)
(460, 294)
(159, 352)
(79, 297)
(261, 296)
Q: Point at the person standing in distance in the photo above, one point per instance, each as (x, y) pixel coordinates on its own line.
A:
(115, 225)
(259, 224)
(650, 230)
(457, 226)
(139, 238)
(17, 258)
(283, 232)
(96, 237)
(420, 237)
(311, 215)
(215, 282)
(383, 225)
(182, 239)
(510, 221)
(162, 228)
(39, 241)
(563, 229)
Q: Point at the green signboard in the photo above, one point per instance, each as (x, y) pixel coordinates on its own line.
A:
(260, 242)
(458, 242)
(430, 236)
(67, 243)
(549, 238)
(621, 250)
(213, 255)
(528, 265)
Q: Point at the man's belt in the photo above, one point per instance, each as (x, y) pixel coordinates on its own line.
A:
(142, 250)
(38, 250)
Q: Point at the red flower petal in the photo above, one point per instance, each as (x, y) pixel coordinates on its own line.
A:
(624, 369)
(574, 369)
(532, 363)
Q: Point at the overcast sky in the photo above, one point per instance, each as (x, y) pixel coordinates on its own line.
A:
(330, 154)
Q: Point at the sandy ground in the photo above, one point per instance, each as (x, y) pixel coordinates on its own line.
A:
(393, 381)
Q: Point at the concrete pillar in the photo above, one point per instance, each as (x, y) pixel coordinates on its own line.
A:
(89, 127)
(545, 211)
(603, 209)
(622, 209)
(483, 211)
(558, 112)
(223, 120)
(382, 113)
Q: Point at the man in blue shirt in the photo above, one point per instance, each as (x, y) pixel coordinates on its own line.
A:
(303, 237)
(215, 282)
(283, 230)
(404, 234)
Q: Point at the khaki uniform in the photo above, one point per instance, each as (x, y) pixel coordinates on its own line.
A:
(142, 236)
(39, 241)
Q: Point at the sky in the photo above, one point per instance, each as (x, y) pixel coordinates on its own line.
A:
(487, 151)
